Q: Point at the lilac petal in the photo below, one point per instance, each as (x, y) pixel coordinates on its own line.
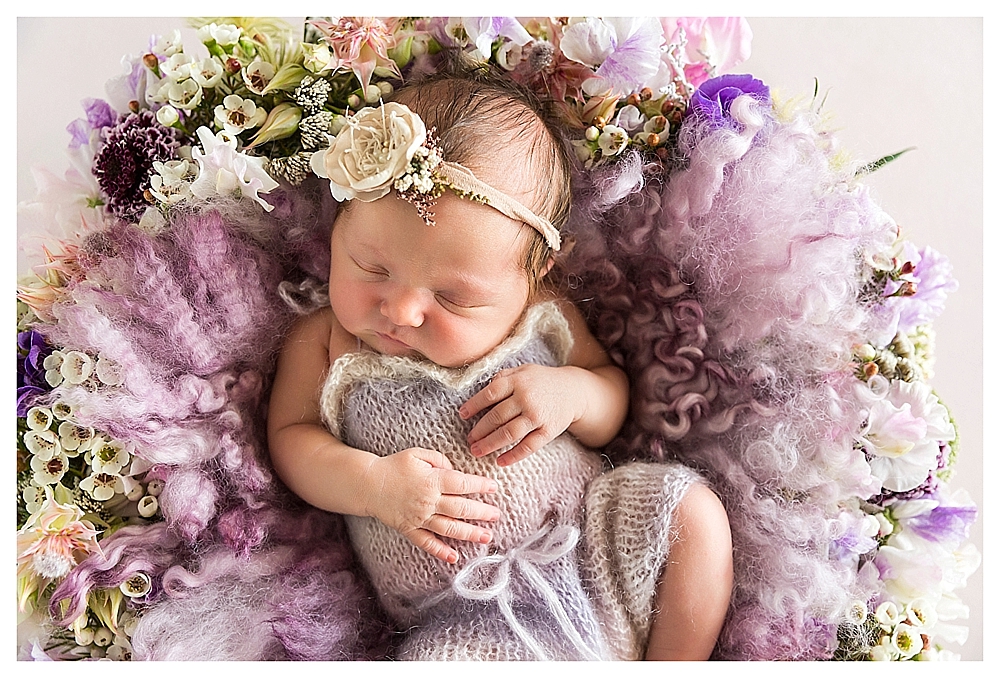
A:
(26, 396)
(944, 523)
(99, 113)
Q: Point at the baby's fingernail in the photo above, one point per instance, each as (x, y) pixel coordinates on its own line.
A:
(485, 538)
(452, 557)
(463, 413)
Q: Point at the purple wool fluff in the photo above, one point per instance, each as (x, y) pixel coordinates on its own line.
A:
(194, 319)
(725, 292)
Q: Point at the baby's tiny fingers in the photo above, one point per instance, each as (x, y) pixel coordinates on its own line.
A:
(456, 529)
(499, 415)
(533, 442)
(456, 482)
(425, 540)
(509, 434)
(467, 509)
(498, 389)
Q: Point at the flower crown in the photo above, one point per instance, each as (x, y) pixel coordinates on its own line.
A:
(389, 147)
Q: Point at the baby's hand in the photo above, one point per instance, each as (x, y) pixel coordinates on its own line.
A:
(532, 404)
(418, 493)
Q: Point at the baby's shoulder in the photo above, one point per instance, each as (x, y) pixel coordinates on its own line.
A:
(321, 328)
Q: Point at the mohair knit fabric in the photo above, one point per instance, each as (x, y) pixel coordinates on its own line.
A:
(540, 590)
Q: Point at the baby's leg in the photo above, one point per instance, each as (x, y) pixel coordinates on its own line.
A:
(692, 594)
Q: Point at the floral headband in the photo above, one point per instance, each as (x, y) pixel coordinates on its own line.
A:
(389, 147)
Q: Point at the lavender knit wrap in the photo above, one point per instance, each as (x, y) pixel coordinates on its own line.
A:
(535, 592)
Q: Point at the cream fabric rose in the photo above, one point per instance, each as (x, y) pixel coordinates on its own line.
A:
(372, 150)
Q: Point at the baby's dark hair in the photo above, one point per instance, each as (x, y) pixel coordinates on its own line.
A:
(478, 114)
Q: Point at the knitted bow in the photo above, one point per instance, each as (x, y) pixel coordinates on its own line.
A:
(546, 546)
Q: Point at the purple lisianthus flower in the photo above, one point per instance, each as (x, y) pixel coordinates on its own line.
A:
(32, 351)
(712, 99)
(99, 116)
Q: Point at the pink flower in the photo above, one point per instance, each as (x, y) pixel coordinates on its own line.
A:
(714, 44)
(361, 44)
(51, 543)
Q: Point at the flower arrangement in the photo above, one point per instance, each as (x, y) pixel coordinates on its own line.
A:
(250, 123)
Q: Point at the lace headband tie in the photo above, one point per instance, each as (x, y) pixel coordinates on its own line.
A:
(389, 147)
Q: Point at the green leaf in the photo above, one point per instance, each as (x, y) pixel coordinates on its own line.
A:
(884, 160)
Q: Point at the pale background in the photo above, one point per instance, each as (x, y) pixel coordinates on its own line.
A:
(892, 83)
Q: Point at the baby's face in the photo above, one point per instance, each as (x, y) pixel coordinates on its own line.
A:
(449, 292)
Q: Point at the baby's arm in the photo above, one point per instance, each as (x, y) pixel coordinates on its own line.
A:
(415, 491)
(532, 404)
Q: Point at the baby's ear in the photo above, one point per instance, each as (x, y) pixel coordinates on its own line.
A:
(548, 266)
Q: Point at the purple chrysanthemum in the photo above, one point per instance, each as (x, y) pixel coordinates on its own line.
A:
(125, 164)
(32, 351)
(712, 99)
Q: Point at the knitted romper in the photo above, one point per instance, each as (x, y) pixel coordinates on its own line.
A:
(576, 555)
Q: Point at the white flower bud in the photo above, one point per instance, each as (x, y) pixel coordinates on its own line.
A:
(167, 115)
(885, 526)
(372, 94)
(148, 506)
(103, 637)
(385, 87)
(887, 613)
(592, 133)
(84, 636)
(135, 493)
(154, 487)
(354, 101)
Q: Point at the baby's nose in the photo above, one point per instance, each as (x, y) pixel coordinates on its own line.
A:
(405, 308)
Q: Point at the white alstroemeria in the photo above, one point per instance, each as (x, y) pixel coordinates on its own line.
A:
(75, 438)
(108, 371)
(43, 444)
(207, 72)
(920, 613)
(108, 456)
(49, 471)
(510, 55)
(185, 95)
(630, 118)
(224, 171)
(39, 418)
(148, 506)
(906, 640)
(102, 486)
(903, 433)
(887, 614)
(236, 114)
(62, 410)
(34, 497)
(76, 367)
(177, 67)
(224, 34)
(885, 651)
(170, 185)
(52, 363)
(258, 75)
(169, 45)
(167, 115)
(613, 140)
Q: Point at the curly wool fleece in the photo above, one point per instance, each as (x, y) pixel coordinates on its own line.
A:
(724, 289)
